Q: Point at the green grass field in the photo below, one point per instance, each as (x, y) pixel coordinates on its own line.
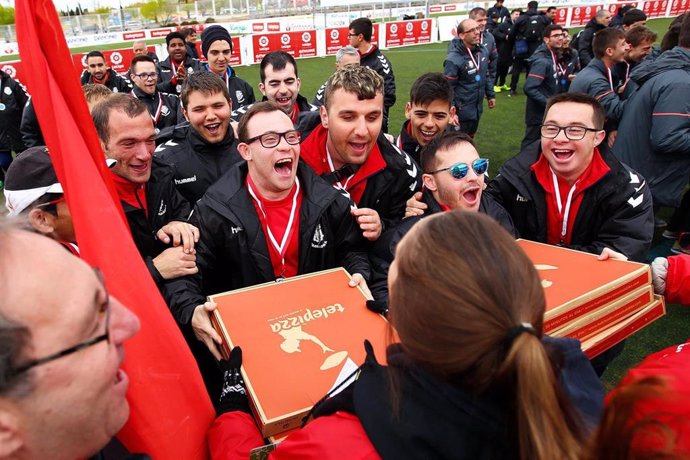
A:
(498, 138)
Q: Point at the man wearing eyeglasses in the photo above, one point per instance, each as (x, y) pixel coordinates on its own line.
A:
(453, 178)
(164, 108)
(97, 71)
(543, 81)
(266, 219)
(62, 394)
(360, 33)
(205, 148)
(467, 69)
(566, 192)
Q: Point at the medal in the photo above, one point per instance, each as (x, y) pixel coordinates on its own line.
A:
(2, 106)
(476, 63)
(478, 77)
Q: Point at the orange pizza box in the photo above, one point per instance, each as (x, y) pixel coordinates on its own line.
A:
(576, 283)
(598, 320)
(299, 338)
(624, 329)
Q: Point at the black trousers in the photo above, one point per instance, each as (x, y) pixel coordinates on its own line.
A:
(519, 65)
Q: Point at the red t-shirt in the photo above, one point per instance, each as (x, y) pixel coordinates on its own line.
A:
(131, 193)
(275, 215)
(313, 152)
(554, 216)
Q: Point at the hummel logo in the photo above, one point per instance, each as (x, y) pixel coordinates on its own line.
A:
(161, 147)
(235, 230)
(521, 198)
(162, 208)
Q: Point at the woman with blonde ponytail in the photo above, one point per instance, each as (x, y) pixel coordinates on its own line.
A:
(472, 377)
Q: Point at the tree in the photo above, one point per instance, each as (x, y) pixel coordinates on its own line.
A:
(6, 15)
(153, 9)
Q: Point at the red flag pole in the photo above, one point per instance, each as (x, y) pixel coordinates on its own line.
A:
(170, 409)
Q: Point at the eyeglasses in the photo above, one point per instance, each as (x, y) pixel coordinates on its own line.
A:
(68, 351)
(147, 76)
(573, 133)
(460, 170)
(271, 139)
(352, 35)
(556, 35)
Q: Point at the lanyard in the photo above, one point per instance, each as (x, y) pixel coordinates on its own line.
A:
(338, 185)
(566, 214)
(158, 109)
(610, 77)
(627, 71)
(476, 63)
(560, 71)
(282, 247)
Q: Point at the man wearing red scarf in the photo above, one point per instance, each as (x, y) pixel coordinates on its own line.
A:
(98, 72)
(155, 211)
(348, 150)
(567, 192)
(269, 217)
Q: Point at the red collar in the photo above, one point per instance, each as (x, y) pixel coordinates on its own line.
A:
(101, 82)
(129, 192)
(313, 152)
(595, 171)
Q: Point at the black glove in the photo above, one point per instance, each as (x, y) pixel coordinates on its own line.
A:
(233, 396)
(378, 306)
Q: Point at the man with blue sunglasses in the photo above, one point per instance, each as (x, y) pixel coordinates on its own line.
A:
(453, 176)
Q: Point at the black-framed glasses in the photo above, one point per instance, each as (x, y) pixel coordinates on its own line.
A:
(80, 346)
(573, 133)
(147, 76)
(352, 35)
(271, 139)
(460, 170)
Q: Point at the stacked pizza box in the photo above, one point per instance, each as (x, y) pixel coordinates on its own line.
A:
(599, 302)
(300, 339)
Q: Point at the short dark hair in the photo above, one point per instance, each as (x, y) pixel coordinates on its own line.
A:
(478, 11)
(94, 53)
(187, 31)
(445, 141)
(125, 103)
(551, 8)
(430, 87)
(634, 16)
(599, 116)
(550, 28)
(254, 109)
(684, 34)
(171, 36)
(360, 80)
(278, 60)
(533, 5)
(624, 9)
(362, 26)
(141, 58)
(640, 34)
(519, 10)
(604, 39)
(206, 83)
(671, 36)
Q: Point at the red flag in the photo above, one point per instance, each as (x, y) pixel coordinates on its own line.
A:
(170, 409)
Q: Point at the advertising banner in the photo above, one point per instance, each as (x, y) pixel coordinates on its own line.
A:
(408, 32)
(582, 14)
(298, 44)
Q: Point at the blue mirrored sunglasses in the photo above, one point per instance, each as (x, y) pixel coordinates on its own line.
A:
(460, 170)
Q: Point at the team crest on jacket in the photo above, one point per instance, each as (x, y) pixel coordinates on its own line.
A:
(319, 241)
(239, 95)
(165, 110)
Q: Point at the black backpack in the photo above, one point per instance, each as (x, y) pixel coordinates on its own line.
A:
(534, 29)
(576, 40)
